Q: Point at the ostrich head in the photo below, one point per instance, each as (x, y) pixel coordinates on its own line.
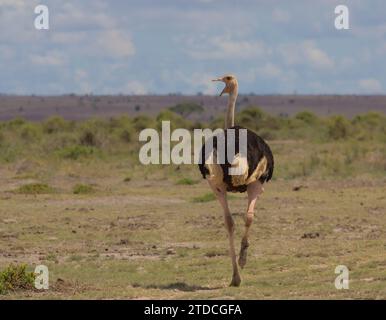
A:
(231, 85)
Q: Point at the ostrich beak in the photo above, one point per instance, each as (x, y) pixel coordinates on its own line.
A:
(224, 90)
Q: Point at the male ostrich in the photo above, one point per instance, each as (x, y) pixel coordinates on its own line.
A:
(256, 168)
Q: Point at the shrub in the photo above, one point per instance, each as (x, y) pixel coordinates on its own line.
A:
(176, 121)
(55, 124)
(88, 138)
(339, 128)
(76, 151)
(250, 118)
(35, 188)
(83, 189)
(17, 122)
(187, 108)
(143, 122)
(30, 132)
(307, 117)
(94, 132)
(16, 277)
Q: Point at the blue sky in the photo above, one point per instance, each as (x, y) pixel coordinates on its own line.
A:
(169, 46)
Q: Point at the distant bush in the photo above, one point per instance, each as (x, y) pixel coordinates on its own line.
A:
(339, 128)
(369, 126)
(187, 108)
(88, 138)
(30, 132)
(251, 118)
(77, 151)
(94, 132)
(17, 122)
(55, 124)
(123, 128)
(2, 138)
(35, 188)
(142, 122)
(83, 189)
(176, 121)
(307, 117)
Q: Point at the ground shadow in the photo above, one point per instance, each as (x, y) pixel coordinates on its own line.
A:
(181, 286)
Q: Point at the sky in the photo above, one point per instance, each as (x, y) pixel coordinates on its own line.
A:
(178, 46)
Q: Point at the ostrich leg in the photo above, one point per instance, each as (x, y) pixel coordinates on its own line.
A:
(254, 190)
(230, 226)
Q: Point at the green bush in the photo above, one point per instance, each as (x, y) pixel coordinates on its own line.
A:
(339, 128)
(83, 189)
(16, 277)
(187, 108)
(56, 124)
(30, 132)
(307, 117)
(143, 122)
(176, 121)
(17, 122)
(76, 152)
(35, 188)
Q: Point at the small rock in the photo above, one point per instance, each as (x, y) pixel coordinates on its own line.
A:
(170, 251)
(311, 235)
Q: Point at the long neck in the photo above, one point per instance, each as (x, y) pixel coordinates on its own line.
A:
(230, 118)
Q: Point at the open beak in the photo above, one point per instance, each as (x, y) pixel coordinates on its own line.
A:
(220, 79)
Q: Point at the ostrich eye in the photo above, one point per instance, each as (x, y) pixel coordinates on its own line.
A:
(229, 78)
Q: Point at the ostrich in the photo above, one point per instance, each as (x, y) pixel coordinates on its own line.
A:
(256, 168)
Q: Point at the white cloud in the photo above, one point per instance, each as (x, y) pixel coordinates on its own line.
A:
(280, 16)
(116, 43)
(135, 87)
(68, 38)
(370, 85)
(6, 52)
(317, 57)
(270, 70)
(82, 80)
(52, 58)
(223, 47)
(72, 16)
(13, 3)
(308, 53)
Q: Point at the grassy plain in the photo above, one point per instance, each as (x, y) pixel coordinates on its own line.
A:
(78, 201)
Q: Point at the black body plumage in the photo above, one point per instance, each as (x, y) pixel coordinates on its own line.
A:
(257, 148)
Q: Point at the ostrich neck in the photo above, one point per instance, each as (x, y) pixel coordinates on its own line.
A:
(230, 118)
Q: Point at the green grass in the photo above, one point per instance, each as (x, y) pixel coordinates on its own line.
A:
(186, 181)
(147, 239)
(83, 189)
(157, 232)
(35, 188)
(207, 197)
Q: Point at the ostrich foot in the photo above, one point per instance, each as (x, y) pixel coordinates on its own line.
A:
(236, 280)
(243, 253)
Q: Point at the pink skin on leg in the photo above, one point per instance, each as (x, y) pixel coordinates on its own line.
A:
(254, 190)
(221, 195)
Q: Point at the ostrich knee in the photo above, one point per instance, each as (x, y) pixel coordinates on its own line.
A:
(249, 219)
